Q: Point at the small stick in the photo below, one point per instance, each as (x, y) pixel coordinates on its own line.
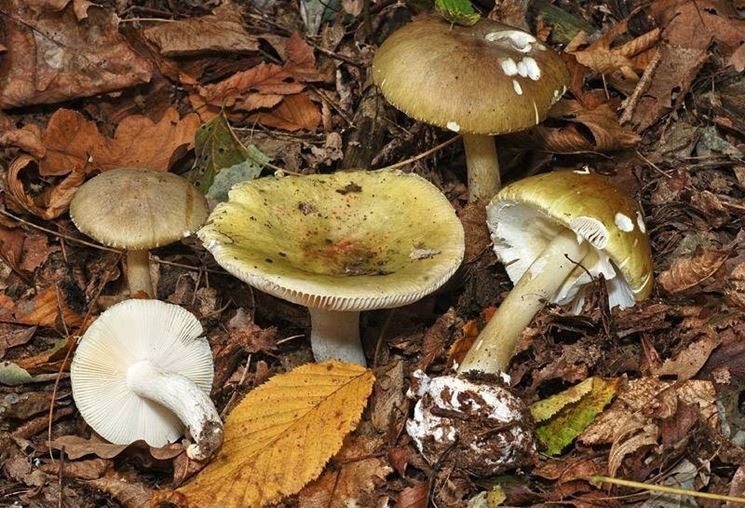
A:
(641, 87)
(423, 154)
(667, 490)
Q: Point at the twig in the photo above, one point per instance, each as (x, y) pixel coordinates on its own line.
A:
(666, 489)
(641, 87)
(423, 154)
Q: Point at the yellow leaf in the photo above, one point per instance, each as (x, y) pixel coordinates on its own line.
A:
(281, 435)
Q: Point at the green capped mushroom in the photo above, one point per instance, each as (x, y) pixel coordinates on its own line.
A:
(338, 244)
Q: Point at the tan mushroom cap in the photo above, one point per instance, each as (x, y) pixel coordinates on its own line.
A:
(524, 216)
(488, 78)
(138, 209)
(347, 241)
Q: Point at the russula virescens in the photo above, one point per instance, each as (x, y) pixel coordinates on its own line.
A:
(138, 210)
(143, 370)
(338, 244)
(479, 80)
(554, 232)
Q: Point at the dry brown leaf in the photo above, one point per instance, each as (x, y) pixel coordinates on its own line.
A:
(734, 289)
(51, 57)
(414, 497)
(44, 309)
(388, 402)
(129, 493)
(689, 271)
(642, 437)
(81, 470)
(281, 435)
(12, 336)
(349, 486)
(53, 203)
(73, 142)
(76, 447)
(221, 31)
(296, 112)
(603, 59)
(687, 362)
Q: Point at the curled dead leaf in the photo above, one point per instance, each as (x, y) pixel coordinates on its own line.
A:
(294, 113)
(689, 271)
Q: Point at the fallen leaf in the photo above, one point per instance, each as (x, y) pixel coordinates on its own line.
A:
(735, 286)
(73, 142)
(51, 57)
(12, 336)
(567, 414)
(222, 31)
(351, 485)
(23, 406)
(294, 113)
(415, 496)
(388, 402)
(81, 470)
(689, 271)
(281, 435)
(129, 493)
(76, 447)
(687, 362)
(44, 309)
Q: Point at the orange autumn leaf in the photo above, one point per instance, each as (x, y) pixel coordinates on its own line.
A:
(296, 112)
(280, 436)
(71, 141)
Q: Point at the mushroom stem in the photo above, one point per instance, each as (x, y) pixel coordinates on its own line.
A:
(483, 166)
(336, 335)
(496, 343)
(184, 399)
(138, 272)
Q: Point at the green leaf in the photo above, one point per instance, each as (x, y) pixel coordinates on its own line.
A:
(460, 12)
(246, 170)
(567, 414)
(216, 147)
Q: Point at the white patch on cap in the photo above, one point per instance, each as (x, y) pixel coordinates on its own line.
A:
(534, 72)
(591, 230)
(521, 41)
(453, 126)
(537, 116)
(640, 222)
(522, 69)
(624, 223)
(509, 67)
(517, 87)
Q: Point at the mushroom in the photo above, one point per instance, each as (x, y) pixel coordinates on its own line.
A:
(554, 233)
(338, 244)
(140, 370)
(137, 210)
(478, 80)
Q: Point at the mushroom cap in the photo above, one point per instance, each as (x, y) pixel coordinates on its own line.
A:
(488, 78)
(139, 209)
(347, 241)
(525, 215)
(127, 333)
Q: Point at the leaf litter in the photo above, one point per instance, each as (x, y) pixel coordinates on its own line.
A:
(655, 103)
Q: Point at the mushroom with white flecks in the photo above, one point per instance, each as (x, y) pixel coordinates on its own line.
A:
(554, 233)
(143, 370)
(480, 81)
(338, 244)
(138, 210)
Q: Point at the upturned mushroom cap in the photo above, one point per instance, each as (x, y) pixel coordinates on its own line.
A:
(488, 78)
(525, 216)
(139, 209)
(348, 241)
(130, 332)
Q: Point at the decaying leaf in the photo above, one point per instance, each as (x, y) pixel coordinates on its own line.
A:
(689, 271)
(12, 336)
(221, 31)
(76, 447)
(129, 493)
(296, 112)
(688, 361)
(43, 309)
(51, 57)
(281, 435)
(564, 416)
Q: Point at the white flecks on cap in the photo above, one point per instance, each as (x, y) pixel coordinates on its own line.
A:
(640, 222)
(517, 87)
(591, 230)
(508, 66)
(623, 222)
(534, 72)
(537, 116)
(453, 126)
(519, 40)
(522, 69)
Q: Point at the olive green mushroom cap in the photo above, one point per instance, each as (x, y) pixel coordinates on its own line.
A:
(525, 215)
(348, 241)
(138, 209)
(488, 78)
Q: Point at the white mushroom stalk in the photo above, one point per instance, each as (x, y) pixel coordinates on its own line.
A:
(336, 335)
(495, 345)
(482, 163)
(138, 272)
(183, 397)
(143, 370)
